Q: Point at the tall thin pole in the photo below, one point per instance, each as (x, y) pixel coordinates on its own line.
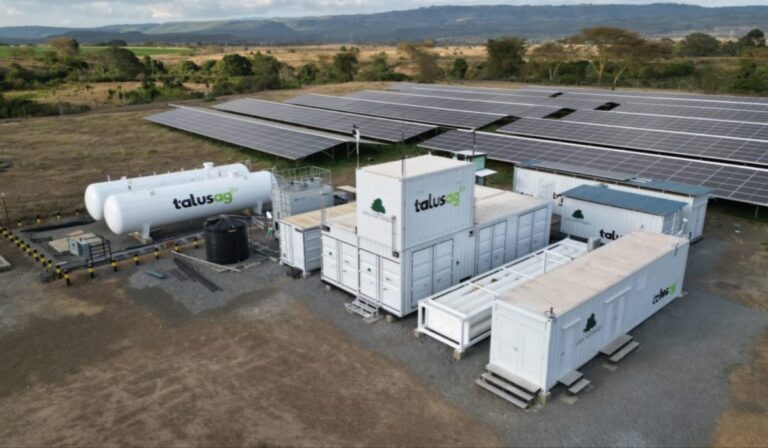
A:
(474, 143)
(5, 207)
(356, 133)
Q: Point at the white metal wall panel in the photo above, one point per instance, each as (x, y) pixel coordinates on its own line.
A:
(391, 277)
(484, 248)
(331, 257)
(286, 244)
(369, 275)
(499, 244)
(349, 266)
(540, 230)
(442, 274)
(312, 249)
(421, 274)
(524, 234)
(379, 209)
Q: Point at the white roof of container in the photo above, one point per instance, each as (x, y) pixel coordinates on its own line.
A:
(482, 192)
(313, 219)
(567, 287)
(348, 220)
(415, 166)
(505, 203)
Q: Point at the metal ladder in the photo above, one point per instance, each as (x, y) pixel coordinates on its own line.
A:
(367, 308)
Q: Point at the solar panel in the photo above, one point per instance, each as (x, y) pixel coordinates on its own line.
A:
(742, 184)
(694, 112)
(709, 147)
(509, 109)
(406, 86)
(247, 132)
(692, 98)
(419, 114)
(746, 131)
(507, 96)
(370, 127)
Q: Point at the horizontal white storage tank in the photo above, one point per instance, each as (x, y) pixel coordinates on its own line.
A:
(550, 326)
(138, 211)
(461, 316)
(549, 180)
(96, 194)
(599, 212)
(300, 237)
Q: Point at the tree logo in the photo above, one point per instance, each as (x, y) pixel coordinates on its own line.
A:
(378, 206)
(591, 323)
(578, 214)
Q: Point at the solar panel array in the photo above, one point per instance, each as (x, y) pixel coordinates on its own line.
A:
(370, 127)
(509, 109)
(737, 183)
(747, 131)
(509, 96)
(419, 114)
(246, 132)
(694, 111)
(639, 95)
(714, 148)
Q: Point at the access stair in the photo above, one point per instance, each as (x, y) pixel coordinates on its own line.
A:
(521, 395)
(619, 348)
(575, 382)
(366, 308)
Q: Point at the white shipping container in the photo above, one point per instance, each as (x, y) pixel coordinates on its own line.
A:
(300, 237)
(406, 203)
(549, 181)
(549, 327)
(461, 316)
(598, 212)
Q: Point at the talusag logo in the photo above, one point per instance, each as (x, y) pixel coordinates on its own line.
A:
(194, 201)
(430, 202)
(664, 292)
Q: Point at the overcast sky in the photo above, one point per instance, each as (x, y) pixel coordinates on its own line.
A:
(86, 13)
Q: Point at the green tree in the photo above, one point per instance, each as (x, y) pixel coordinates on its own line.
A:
(65, 47)
(378, 69)
(345, 65)
(117, 64)
(611, 46)
(307, 73)
(459, 69)
(729, 48)
(234, 65)
(427, 69)
(188, 67)
(752, 78)
(208, 66)
(505, 57)
(754, 38)
(551, 55)
(266, 71)
(699, 44)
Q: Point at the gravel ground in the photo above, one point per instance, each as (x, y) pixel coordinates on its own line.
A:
(671, 391)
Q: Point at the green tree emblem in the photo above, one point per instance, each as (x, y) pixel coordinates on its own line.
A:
(578, 214)
(591, 322)
(378, 206)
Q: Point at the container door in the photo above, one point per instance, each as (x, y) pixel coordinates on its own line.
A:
(421, 281)
(520, 349)
(312, 249)
(614, 317)
(298, 249)
(484, 249)
(568, 348)
(539, 237)
(286, 244)
(349, 266)
(443, 270)
(524, 234)
(499, 244)
(330, 258)
(698, 220)
(369, 275)
(390, 284)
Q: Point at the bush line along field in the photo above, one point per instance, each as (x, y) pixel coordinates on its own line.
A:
(602, 56)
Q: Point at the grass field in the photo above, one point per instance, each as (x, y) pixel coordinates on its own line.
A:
(6, 52)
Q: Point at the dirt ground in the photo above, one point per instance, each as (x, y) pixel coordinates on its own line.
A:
(741, 276)
(99, 368)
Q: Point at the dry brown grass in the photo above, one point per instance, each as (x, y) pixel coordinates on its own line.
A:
(55, 158)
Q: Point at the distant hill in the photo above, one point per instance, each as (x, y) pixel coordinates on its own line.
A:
(442, 23)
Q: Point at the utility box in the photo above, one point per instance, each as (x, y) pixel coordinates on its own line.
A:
(301, 237)
(600, 212)
(545, 329)
(548, 180)
(301, 190)
(340, 260)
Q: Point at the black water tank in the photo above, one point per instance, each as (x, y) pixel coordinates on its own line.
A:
(226, 240)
